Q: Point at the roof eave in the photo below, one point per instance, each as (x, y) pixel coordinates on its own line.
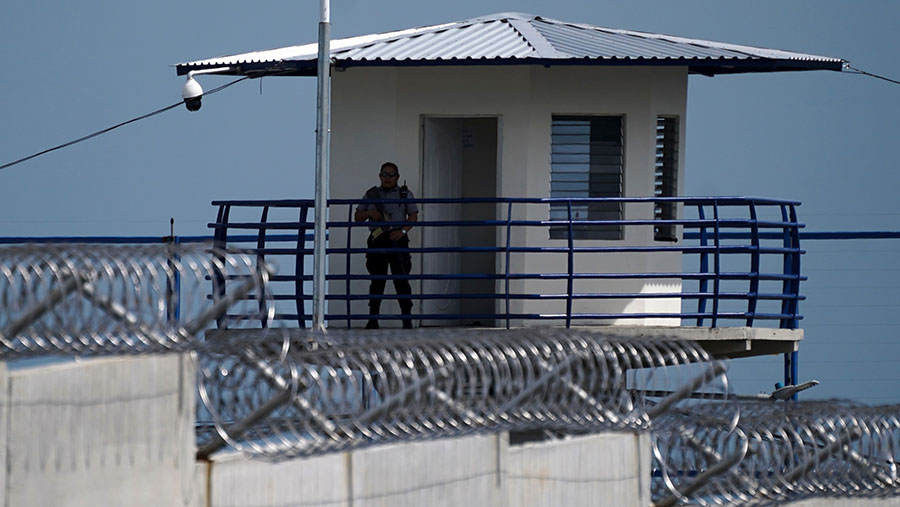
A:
(256, 69)
(743, 66)
(707, 67)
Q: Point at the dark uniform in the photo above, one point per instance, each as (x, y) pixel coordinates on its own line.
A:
(400, 263)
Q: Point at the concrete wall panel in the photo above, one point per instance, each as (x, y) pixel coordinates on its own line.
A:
(459, 471)
(607, 469)
(238, 481)
(115, 431)
(602, 469)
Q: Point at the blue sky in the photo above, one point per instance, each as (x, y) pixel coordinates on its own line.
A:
(827, 139)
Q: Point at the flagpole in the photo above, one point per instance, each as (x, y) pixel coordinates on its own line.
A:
(323, 148)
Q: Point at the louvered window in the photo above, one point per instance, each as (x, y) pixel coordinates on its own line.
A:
(666, 176)
(587, 160)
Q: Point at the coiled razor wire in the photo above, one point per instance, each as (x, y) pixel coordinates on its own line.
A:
(290, 396)
(775, 452)
(90, 299)
(278, 393)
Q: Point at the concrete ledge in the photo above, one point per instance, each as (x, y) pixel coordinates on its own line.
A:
(720, 342)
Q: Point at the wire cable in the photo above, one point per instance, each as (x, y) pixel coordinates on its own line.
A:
(108, 129)
(220, 88)
(860, 71)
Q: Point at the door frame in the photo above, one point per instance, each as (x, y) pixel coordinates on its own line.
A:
(498, 172)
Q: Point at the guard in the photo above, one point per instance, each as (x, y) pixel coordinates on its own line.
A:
(377, 263)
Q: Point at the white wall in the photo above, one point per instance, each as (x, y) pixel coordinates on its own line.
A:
(116, 431)
(606, 469)
(603, 469)
(377, 117)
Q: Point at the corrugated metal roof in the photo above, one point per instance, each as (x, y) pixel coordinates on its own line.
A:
(515, 38)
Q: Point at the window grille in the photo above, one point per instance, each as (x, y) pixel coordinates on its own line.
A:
(666, 176)
(587, 160)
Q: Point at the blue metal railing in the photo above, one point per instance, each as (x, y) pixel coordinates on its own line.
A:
(738, 260)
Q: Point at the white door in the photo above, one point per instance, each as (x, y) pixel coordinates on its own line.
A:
(442, 158)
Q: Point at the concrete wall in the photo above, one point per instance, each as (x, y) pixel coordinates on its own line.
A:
(115, 431)
(604, 469)
(119, 431)
(444, 472)
(612, 469)
(377, 116)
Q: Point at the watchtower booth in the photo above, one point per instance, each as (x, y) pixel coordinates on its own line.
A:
(549, 157)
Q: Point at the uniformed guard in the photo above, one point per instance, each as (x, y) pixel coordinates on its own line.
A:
(388, 237)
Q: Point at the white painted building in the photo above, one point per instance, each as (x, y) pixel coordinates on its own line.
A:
(485, 131)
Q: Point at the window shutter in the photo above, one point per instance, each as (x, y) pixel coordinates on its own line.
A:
(666, 176)
(587, 160)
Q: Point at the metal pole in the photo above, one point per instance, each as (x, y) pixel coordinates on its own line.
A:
(323, 147)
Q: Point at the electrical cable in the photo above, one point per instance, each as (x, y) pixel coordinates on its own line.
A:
(108, 129)
(860, 71)
(158, 111)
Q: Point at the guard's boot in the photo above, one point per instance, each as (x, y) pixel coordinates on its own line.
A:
(406, 311)
(374, 310)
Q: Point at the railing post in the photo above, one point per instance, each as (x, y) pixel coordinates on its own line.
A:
(717, 265)
(791, 288)
(571, 262)
(795, 236)
(508, 255)
(260, 262)
(347, 268)
(299, 268)
(220, 243)
(791, 284)
(753, 296)
(703, 283)
(171, 283)
(177, 282)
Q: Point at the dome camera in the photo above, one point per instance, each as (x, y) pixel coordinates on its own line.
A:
(192, 93)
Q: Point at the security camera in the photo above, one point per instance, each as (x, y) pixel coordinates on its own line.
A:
(192, 93)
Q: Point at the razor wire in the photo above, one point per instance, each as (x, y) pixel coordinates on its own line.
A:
(284, 393)
(301, 395)
(775, 452)
(98, 299)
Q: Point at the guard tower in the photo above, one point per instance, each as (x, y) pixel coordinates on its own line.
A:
(548, 160)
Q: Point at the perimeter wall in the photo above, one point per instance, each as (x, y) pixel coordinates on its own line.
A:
(120, 431)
